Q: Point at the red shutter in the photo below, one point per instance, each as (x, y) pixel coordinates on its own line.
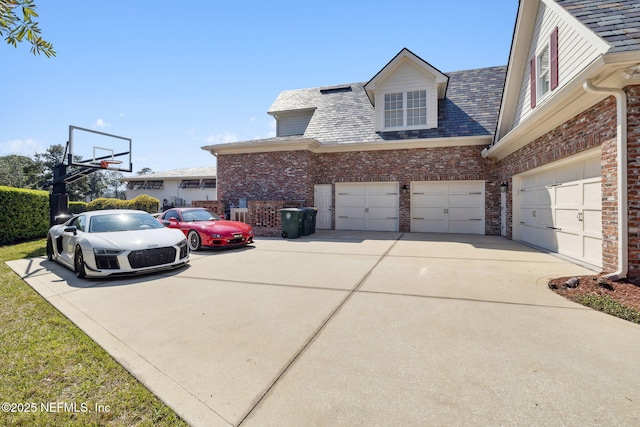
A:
(532, 72)
(554, 59)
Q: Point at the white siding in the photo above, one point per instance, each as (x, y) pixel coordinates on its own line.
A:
(575, 53)
(171, 191)
(407, 77)
(293, 123)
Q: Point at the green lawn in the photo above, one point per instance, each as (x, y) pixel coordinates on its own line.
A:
(52, 374)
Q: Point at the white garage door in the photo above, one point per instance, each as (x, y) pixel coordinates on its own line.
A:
(560, 209)
(367, 206)
(447, 207)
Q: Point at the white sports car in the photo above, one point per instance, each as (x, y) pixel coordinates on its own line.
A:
(116, 242)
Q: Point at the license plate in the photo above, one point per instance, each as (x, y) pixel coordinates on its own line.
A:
(237, 236)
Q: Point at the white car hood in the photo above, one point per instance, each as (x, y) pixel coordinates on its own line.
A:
(136, 240)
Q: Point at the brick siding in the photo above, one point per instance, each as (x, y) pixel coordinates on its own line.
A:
(633, 155)
(290, 176)
(215, 206)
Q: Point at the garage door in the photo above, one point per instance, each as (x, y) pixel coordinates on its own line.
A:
(560, 209)
(367, 206)
(447, 207)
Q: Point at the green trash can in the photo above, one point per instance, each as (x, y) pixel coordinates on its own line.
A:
(307, 220)
(291, 222)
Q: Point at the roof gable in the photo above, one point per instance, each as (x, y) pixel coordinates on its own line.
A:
(403, 57)
(579, 46)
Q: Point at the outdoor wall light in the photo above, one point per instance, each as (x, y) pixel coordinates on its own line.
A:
(504, 186)
(404, 189)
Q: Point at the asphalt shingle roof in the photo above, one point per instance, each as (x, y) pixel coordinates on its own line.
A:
(616, 22)
(344, 114)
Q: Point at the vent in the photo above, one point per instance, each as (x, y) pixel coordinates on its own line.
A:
(335, 89)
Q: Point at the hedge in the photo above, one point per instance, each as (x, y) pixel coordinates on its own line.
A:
(25, 214)
(143, 202)
(77, 207)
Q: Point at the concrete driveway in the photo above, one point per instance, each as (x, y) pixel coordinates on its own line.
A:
(361, 329)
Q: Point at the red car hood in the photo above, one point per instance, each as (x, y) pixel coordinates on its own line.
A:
(224, 226)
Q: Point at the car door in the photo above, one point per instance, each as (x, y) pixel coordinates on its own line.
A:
(70, 238)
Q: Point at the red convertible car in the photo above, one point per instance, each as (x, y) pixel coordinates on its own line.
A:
(203, 228)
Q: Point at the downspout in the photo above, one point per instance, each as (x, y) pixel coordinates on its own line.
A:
(621, 161)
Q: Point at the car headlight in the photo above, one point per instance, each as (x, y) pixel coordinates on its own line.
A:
(100, 251)
(251, 232)
(216, 236)
(182, 243)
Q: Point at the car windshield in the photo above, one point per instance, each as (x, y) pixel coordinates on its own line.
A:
(122, 222)
(199, 215)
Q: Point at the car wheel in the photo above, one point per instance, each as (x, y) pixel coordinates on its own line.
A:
(49, 249)
(78, 263)
(194, 240)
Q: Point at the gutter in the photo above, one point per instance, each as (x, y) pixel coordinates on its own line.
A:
(621, 161)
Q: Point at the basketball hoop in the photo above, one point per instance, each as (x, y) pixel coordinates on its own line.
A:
(104, 164)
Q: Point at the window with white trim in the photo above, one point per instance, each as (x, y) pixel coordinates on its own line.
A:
(544, 69)
(405, 109)
(544, 75)
(417, 108)
(393, 110)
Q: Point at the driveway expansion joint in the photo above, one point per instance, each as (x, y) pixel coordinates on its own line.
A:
(316, 333)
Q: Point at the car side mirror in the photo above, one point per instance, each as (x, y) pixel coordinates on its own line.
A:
(71, 229)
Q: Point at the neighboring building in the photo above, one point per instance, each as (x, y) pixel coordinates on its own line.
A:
(536, 151)
(178, 187)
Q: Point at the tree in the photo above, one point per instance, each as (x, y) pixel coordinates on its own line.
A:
(97, 184)
(16, 171)
(77, 190)
(113, 186)
(16, 26)
(144, 171)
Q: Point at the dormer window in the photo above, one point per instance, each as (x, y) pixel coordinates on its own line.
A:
(405, 94)
(405, 109)
(417, 108)
(393, 110)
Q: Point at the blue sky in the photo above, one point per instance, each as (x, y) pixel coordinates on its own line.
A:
(175, 76)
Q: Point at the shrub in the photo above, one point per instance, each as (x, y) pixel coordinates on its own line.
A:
(104, 203)
(145, 203)
(142, 202)
(77, 207)
(25, 214)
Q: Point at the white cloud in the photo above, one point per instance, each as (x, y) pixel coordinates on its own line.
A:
(121, 115)
(101, 124)
(26, 147)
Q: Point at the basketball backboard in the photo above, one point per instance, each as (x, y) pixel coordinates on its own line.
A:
(100, 150)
